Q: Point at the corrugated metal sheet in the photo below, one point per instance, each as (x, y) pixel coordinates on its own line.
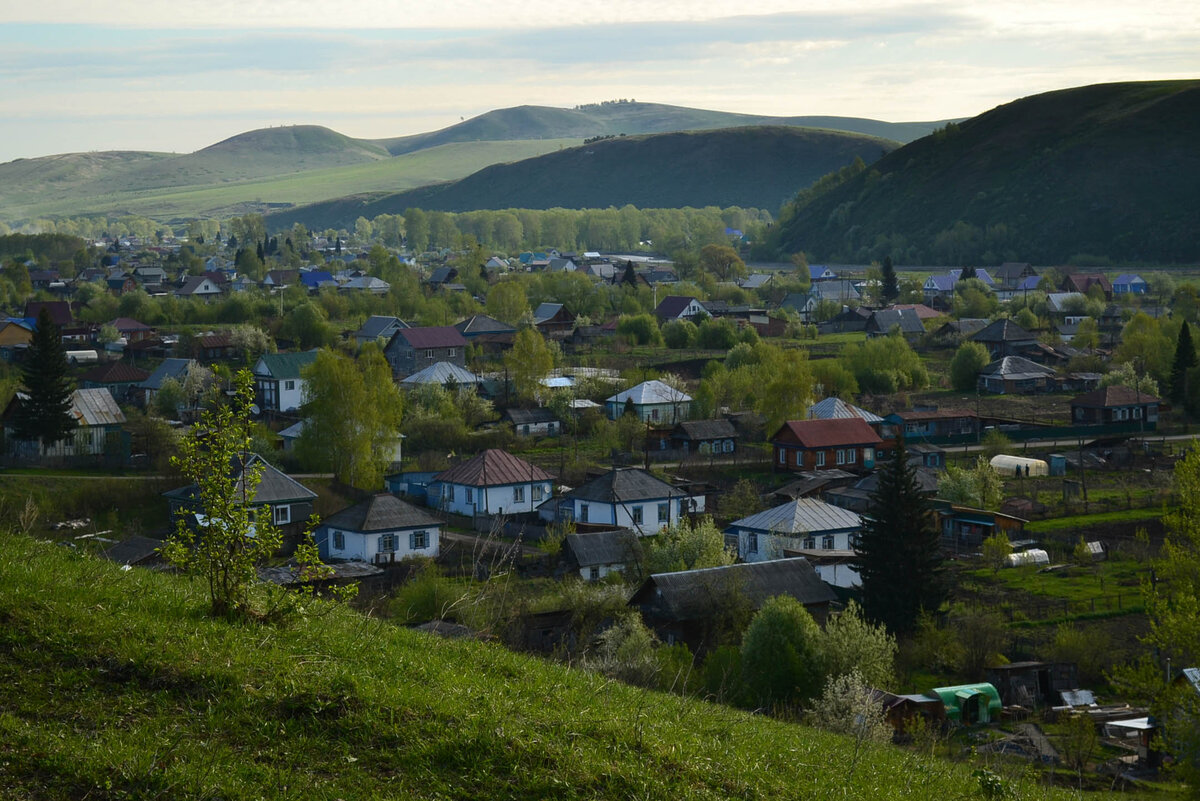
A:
(801, 516)
(493, 468)
(649, 392)
(96, 407)
(442, 373)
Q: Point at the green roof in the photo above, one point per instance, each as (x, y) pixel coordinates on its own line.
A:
(285, 365)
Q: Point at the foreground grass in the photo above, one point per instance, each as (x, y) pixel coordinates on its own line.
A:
(114, 684)
(1067, 524)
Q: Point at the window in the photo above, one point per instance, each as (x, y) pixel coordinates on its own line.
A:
(450, 353)
(827, 542)
(470, 495)
(594, 573)
(429, 353)
(799, 458)
(810, 543)
(289, 385)
(283, 515)
(418, 540)
(525, 430)
(450, 493)
(339, 541)
(729, 446)
(539, 492)
(1137, 412)
(387, 543)
(518, 495)
(583, 513)
(654, 414)
(852, 455)
(664, 512)
(782, 456)
(841, 456)
(637, 515)
(751, 542)
(820, 458)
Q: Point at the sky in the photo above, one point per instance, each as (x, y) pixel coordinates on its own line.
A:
(178, 75)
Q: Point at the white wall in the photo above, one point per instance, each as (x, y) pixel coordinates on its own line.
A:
(364, 547)
(770, 546)
(493, 500)
(586, 572)
(652, 521)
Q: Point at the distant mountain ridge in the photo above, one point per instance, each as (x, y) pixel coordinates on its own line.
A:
(1106, 172)
(757, 167)
(123, 181)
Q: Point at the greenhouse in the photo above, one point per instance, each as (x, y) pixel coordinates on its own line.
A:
(1017, 466)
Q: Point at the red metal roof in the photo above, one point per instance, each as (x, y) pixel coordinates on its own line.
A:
(443, 336)
(827, 433)
(492, 468)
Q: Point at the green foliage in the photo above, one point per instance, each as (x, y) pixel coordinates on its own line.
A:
(853, 645)
(832, 379)
(979, 485)
(639, 329)
(782, 661)
(353, 413)
(1026, 318)
(687, 545)
(1091, 649)
(899, 550)
(1127, 375)
(528, 361)
(716, 334)
(626, 651)
(996, 549)
(308, 326)
(995, 443)
(427, 596)
(44, 414)
(722, 261)
(506, 301)
(1144, 351)
(679, 334)
(847, 706)
(1185, 360)
(885, 365)
(742, 500)
(226, 547)
(968, 361)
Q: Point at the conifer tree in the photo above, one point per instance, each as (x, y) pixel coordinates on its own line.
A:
(1185, 359)
(890, 289)
(44, 413)
(899, 551)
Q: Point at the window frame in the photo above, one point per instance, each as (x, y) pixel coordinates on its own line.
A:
(281, 515)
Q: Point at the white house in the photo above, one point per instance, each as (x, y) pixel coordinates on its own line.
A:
(631, 498)
(381, 528)
(277, 375)
(492, 483)
(802, 525)
(653, 402)
(596, 554)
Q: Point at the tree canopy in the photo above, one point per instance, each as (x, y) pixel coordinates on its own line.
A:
(44, 413)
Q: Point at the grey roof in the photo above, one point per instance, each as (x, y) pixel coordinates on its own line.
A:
(604, 547)
(170, 368)
(625, 484)
(382, 512)
(801, 516)
(927, 480)
(95, 407)
(696, 430)
(442, 373)
(651, 392)
(689, 594)
(520, 417)
(483, 324)
(134, 550)
(907, 320)
(838, 409)
(546, 311)
(378, 325)
(1003, 330)
(274, 486)
(1016, 367)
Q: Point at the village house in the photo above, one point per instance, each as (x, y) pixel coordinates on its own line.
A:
(413, 349)
(679, 307)
(1130, 284)
(1014, 375)
(1082, 282)
(540, 422)
(444, 374)
(119, 378)
(378, 328)
(933, 425)
(1115, 404)
(652, 402)
(381, 528)
(803, 524)
(98, 433)
(905, 321)
(199, 286)
(493, 482)
(173, 369)
(845, 443)
(596, 554)
(278, 379)
(553, 320)
(1004, 338)
(705, 437)
(627, 497)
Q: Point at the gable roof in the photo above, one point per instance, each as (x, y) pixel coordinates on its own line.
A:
(442, 373)
(95, 407)
(801, 516)
(1012, 270)
(1003, 330)
(827, 433)
(545, 312)
(115, 373)
(274, 487)
(531, 416)
(483, 324)
(169, 368)
(124, 324)
(923, 311)
(687, 595)
(441, 336)
(1114, 395)
(381, 512)
(623, 484)
(1128, 278)
(907, 320)
(493, 468)
(196, 283)
(672, 306)
(838, 409)
(705, 429)
(1016, 367)
(651, 392)
(604, 547)
(59, 311)
(377, 325)
(285, 365)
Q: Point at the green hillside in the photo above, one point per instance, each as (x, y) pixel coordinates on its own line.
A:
(749, 167)
(115, 685)
(630, 118)
(1099, 172)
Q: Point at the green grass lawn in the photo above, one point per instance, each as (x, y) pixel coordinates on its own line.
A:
(1066, 524)
(115, 684)
(1118, 576)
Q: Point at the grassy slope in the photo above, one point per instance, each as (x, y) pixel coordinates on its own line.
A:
(114, 685)
(1108, 170)
(445, 162)
(750, 167)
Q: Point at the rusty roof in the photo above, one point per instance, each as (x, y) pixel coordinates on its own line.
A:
(827, 433)
(493, 468)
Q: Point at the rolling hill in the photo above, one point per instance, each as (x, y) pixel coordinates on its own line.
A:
(265, 167)
(1105, 172)
(750, 167)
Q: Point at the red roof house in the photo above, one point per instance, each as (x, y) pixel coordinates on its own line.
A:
(843, 443)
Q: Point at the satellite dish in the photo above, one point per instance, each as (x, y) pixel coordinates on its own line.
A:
(254, 410)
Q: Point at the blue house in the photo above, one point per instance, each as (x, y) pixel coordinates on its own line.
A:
(1130, 284)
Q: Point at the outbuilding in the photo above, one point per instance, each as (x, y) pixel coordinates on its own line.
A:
(1018, 466)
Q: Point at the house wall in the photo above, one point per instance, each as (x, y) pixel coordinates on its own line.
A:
(652, 412)
(790, 457)
(406, 360)
(839, 575)
(622, 515)
(601, 571)
(366, 547)
(770, 546)
(506, 499)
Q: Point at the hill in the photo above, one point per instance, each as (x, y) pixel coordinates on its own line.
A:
(750, 167)
(1105, 172)
(630, 118)
(115, 685)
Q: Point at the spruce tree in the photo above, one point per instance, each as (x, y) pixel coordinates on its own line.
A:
(1185, 359)
(44, 413)
(899, 551)
(890, 287)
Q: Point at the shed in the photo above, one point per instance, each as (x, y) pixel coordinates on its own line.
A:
(970, 703)
(1033, 683)
(1017, 466)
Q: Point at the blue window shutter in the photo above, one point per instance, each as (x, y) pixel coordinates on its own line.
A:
(412, 541)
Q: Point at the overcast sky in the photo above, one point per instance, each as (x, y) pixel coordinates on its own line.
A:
(177, 75)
